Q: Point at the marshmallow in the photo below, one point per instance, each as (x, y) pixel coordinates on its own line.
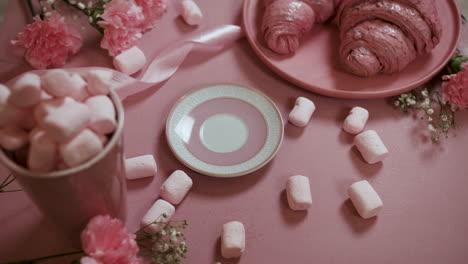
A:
(103, 119)
(140, 167)
(82, 148)
(99, 82)
(104, 139)
(365, 199)
(28, 122)
(232, 240)
(302, 111)
(26, 91)
(42, 153)
(10, 114)
(176, 187)
(46, 107)
(57, 83)
(78, 88)
(4, 94)
(371, 146)
(13, 138)
(130, 61)
(298, 192)
(191, 13)
(356, 120)
(157, 216)
(66, 122)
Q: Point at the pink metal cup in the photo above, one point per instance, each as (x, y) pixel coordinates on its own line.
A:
(70, 198)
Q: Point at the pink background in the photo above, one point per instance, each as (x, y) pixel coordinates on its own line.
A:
(423, 185)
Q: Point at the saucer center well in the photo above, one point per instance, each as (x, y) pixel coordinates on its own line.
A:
(223, 133)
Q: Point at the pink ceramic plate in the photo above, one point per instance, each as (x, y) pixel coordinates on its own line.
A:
(224, 130)
(315, 65)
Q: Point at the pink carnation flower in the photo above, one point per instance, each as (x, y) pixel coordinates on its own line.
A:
(153, 11)
(106, 241)
(455, 88)
(48, 43)
(122, 20)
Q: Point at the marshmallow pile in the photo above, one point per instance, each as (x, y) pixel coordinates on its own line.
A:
(60, 119)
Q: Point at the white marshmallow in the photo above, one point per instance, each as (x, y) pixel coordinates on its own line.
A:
(26, 91)
(130, 61)
(157, 216)
(10, 114)
(365, 199)
(4, 94)
(99, 82)
(48, 106)
(356, 120)
(371, 146)
(232, 240)
(28, 121)
(191, 13)
(176, 187)
(57, 83)
(66, 122)
(302, 111)
(298, 192)
(140, 167)
(42, 153)
(103, 120)
(78, 87)
(13, 138)
(80, 149)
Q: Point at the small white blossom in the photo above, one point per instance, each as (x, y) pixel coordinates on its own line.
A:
(431, 128)
(430, 111)
(81, 6)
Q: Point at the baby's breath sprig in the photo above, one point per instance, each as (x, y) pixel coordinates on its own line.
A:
(9, 179)
(166, 246)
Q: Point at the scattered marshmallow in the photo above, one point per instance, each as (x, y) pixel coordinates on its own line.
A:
(356, 120)
(78, 88)
(99, 82)
(57, 83)
(160, 213)
(103, 120)
(130, 61)
(191, 13)
(80, 149)
(365, 199)
(140, 167)
(371, 146)
(302, 111)
(232, 240)
(4, 94)
(66, 122)
(26, 91)
(176, 187)
(13, 138)
(43, 152)
(298, 192)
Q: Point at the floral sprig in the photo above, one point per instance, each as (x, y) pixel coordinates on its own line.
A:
(7, 181)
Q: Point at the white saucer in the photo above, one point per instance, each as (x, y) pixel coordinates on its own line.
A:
(224, 130)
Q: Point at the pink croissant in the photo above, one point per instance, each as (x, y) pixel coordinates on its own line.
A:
(286, 21)
(385, 35)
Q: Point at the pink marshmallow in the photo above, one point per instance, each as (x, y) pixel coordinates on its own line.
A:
(42, 153)
(46, 107)
(57, 83)
(365, 199)
(130, 61)
(103, 120)
(26, 91)
(99, 82)
(298, 192)
(176, 187)
(302, 111)
(356, 120)
(28, 122)
(160, 213)
(65, 123)
(80, 149)
(371, 146)
(232, 240)
(13, 138)
(78, 87)
(140, 167)
(10, 114)
(104, 139)
(191, 13)
(4, 94)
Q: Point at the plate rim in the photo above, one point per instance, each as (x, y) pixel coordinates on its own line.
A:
(229, 175)
(347, 94)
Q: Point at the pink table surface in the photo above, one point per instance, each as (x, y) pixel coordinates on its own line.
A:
(423, 185)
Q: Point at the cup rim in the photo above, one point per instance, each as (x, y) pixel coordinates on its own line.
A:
(15, 168)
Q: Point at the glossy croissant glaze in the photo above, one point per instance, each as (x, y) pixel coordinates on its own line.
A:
(385, 35)
(285, 22)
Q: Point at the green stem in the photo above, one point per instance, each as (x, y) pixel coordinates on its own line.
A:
(31, 261)
(31, 8)
(10, 191)
(88, 13)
